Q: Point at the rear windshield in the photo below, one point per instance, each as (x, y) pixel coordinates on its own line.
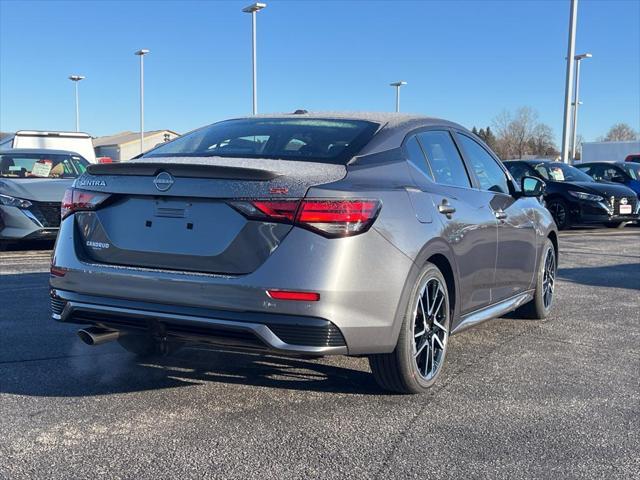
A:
(36, 165)
(320, 140)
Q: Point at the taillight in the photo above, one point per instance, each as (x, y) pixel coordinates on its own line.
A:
(331, 218)
(338, 218)
(80, 200)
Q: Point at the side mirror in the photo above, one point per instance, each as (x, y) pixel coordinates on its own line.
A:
(532, 187)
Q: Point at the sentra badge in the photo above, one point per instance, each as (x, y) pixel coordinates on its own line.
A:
(92, 183)
(163, 181)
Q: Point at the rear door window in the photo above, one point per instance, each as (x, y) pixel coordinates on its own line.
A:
(491, 177)
(444, 159)
(416, 156)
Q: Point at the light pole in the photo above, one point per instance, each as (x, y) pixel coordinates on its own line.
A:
(576, 103)
(571, 51)
(75, 79)
(253, 9)
(398, 85)
(141, 53)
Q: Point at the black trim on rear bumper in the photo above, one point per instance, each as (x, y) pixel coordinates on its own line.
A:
(254, 330)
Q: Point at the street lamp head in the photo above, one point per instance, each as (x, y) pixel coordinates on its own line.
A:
(254, 7)
(398, 84)
(141, 52)
(582, 56)
(76, 78)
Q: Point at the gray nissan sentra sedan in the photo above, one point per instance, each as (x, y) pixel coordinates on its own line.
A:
(372, 235)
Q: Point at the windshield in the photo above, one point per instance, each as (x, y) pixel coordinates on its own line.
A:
(41, 165)
(632, 170)
(320, 140)
(560, 172)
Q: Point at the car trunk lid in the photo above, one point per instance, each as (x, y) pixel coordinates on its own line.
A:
(174, 213)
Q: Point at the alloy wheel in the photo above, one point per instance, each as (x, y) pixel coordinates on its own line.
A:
(549, 277)
(430, 328)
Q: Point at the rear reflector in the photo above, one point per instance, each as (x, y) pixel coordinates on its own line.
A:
(331, 218)
(292, 295)
(58, 271)
(80, 200)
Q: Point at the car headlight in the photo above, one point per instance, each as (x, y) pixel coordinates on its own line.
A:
(586, 196)
(10, 201)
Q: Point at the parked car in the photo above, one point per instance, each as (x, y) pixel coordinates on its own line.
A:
(628, 174)
(303, 234)
(633, 158)
(76, 142)
(574, 198)
(32, 184)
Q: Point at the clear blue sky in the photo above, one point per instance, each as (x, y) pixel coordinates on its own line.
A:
(465, 61)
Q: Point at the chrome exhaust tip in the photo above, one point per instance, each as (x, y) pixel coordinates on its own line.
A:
(97, 335)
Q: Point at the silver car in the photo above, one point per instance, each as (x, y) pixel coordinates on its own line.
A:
(32, 184)
(374, 235)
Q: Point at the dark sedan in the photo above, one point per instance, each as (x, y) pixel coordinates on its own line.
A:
(573, 197)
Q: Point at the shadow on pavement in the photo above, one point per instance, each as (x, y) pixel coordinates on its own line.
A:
(625, 275)
(109, 373)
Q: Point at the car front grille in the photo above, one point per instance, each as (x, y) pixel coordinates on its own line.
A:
(47, 213)
(615, 203)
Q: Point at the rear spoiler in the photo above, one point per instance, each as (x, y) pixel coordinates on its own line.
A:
(149, 169)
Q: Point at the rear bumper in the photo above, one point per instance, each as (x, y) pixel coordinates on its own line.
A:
(245, 330)
(360, 281)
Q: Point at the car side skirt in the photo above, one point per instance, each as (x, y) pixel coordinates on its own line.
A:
(493, 311)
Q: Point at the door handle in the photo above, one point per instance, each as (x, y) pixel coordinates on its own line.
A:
(501, 214)
(446, 209)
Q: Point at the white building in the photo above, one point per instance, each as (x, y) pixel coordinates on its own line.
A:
(126, 145)
(609, 151)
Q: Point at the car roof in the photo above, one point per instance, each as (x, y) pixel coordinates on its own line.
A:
(393, 126)
(38, 151)
(536, 161)
(601, 163)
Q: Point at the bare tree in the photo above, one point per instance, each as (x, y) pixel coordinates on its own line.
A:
(621, 132)
(541, 141)
(517, 135)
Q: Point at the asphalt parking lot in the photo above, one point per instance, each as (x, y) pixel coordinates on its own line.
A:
(518, 399)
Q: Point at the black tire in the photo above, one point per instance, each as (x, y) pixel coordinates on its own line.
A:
(400, 370)
(540, 306)
(560, 213)
(142, 346)
(616, 224)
